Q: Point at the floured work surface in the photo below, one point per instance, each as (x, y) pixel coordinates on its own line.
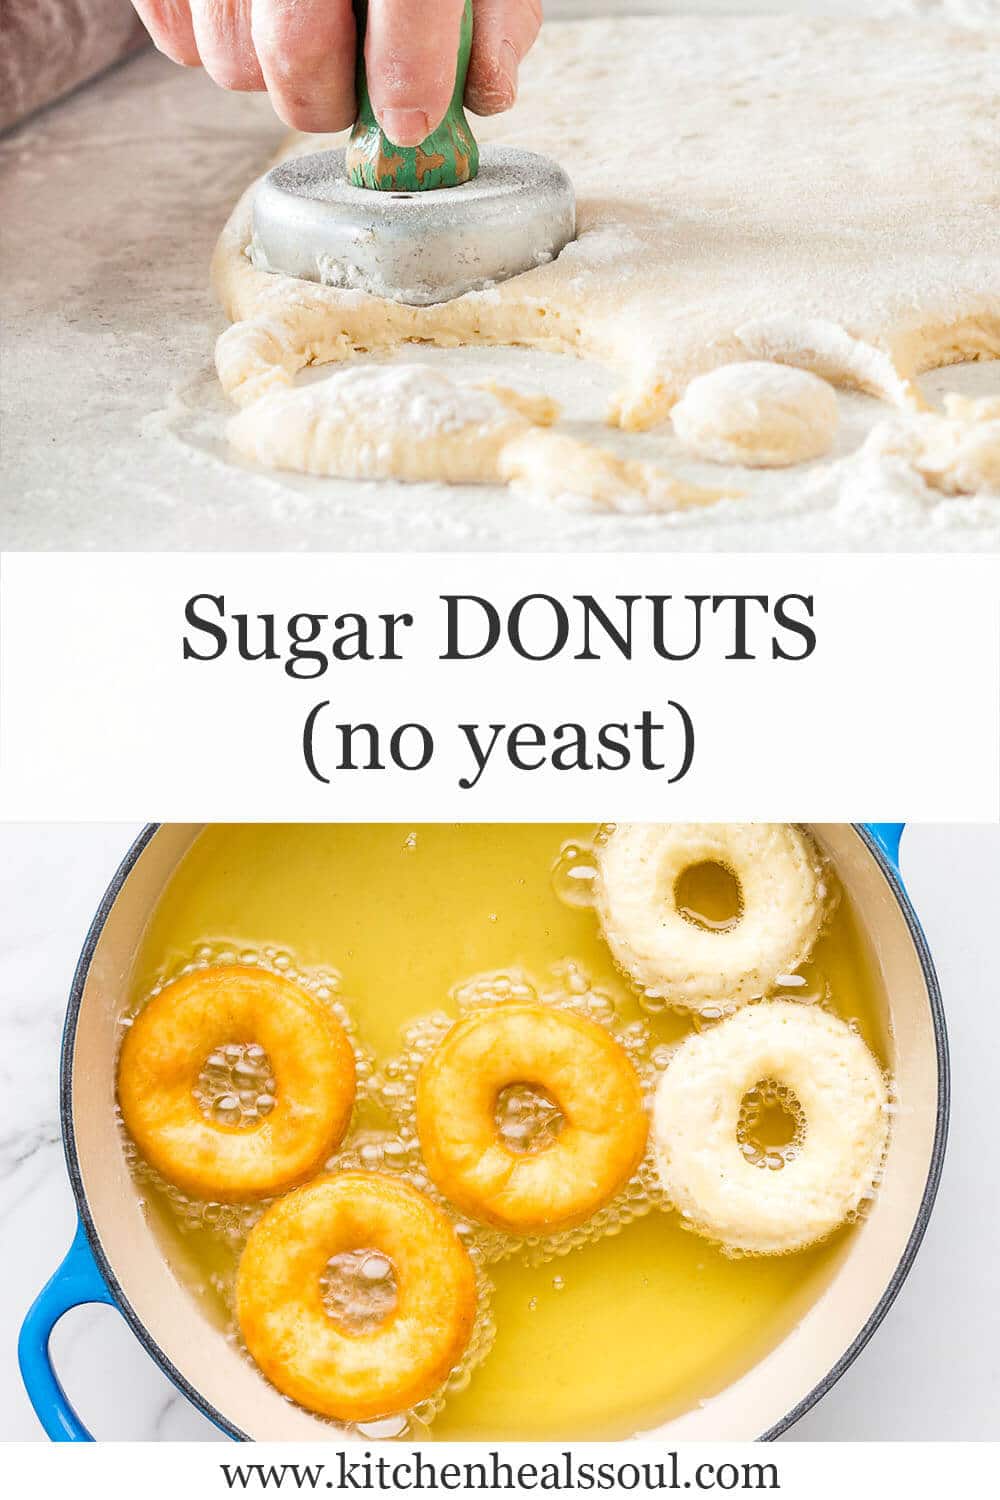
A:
(816, 192)
(805, 171)
(740, 184)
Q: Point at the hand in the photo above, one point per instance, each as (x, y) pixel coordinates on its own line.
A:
(302, 53)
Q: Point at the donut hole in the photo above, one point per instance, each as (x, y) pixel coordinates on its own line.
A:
(236, 1087)
(528, 1118)
(359, 1290)
(708, 895)
(771, 1125)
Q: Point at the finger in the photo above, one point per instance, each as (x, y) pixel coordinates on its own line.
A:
(306, 52)
(169, 25)
(411, 52)
(503, 34)
(225, 45)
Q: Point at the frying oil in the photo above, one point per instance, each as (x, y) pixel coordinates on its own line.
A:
(599, 1334)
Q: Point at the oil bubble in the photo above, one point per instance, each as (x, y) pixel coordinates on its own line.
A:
(573, 875)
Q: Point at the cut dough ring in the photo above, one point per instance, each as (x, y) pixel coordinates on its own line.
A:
(591, 1079)
(300, 1348)
(784, 901)
(263, 353)
(166, 1047)
(843, 1096)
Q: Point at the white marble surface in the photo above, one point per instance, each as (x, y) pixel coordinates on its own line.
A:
(931, 1372)
(113, 420)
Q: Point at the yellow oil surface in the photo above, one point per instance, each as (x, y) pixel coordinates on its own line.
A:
(631, 1329)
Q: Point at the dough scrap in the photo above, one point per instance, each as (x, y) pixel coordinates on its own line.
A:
(830, 352)
(756, 413)
(407, 422)
(732, 174)
(412, 422)
(551, 466)
(935, 468)
(957, 453)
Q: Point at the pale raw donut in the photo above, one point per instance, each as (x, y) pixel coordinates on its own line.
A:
(845, 1124)
(589, 1076)
(784, 899)
(298, 1345)
(759, 414)
(165, 1050)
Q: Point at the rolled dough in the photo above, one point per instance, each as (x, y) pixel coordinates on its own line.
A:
(818, 192)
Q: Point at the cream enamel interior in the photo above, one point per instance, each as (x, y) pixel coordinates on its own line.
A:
(746, 1409)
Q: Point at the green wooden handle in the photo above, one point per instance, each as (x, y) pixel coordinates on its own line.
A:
(447, 157)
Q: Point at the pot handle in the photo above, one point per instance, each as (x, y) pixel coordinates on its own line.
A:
(887, 836)
(77, 1281)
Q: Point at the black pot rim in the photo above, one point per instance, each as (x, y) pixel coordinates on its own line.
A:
(883, 1305)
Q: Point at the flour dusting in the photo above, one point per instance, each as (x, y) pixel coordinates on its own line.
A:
(773, 209)
(974, 14)
(928, 468)
(407, 422)
(413, 397)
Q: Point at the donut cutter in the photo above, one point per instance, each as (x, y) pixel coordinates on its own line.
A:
(417, 224)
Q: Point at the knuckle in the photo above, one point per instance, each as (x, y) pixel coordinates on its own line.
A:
(300, 45)
(292, 60)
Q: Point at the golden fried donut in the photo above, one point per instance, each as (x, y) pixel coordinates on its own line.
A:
(590, 1078)
(166, 1048)
(783, 903)
(845, 1124)
(298, 1345)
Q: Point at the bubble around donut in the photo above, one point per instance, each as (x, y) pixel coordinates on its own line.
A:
(587, 1073)
(843, 1096)
(300, 1348)
(784, 901)
(166, 1047)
